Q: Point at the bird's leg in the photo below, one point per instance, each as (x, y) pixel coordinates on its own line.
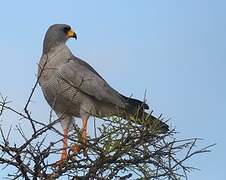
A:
(64, 150)
(76, 148)
(84, 134)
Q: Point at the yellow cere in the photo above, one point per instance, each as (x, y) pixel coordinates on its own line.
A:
(70, 33)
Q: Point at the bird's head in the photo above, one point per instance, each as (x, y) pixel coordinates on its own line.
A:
(57, 34)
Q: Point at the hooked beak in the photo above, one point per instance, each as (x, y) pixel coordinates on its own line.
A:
(71, 34)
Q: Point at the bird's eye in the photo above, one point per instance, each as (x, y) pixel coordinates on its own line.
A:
(66, 29)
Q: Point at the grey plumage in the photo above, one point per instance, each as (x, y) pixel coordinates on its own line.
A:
(74, 89)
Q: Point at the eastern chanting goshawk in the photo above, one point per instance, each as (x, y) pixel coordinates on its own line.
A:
(74, 89)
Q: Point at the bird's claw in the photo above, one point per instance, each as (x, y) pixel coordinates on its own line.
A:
(75, 149)
(59, 163)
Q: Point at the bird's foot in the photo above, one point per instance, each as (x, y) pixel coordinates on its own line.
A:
(61, 161)
(75, 149)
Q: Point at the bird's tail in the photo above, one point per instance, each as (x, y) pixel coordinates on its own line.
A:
(135, 111)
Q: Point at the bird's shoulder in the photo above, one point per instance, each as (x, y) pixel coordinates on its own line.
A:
(83, 64)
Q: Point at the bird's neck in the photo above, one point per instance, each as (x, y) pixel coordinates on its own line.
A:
(52, 60)
(50, 46)
(57, 55)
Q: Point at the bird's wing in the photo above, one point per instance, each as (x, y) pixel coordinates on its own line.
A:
(83, 77)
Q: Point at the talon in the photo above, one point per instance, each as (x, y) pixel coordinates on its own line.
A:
(59, 163)
(62, 159)
(75, 149)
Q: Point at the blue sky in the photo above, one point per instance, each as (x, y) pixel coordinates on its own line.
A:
(175, 50)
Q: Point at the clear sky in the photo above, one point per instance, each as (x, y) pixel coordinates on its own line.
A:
(174, 49)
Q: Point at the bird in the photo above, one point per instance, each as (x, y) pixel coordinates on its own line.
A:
(73, 88)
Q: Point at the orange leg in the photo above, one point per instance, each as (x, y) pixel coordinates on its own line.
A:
(84, 134)
(76, 148)
(64, 150)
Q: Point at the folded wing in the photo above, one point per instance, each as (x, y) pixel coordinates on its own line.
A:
(83, 77)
